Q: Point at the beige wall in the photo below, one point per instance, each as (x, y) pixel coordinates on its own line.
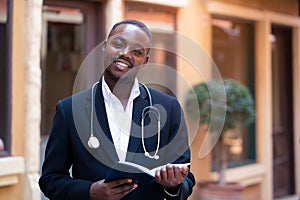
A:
(13, 192)
(14, 188)
(18, 78)
(194, 23)
(18, 173)
(289, 7)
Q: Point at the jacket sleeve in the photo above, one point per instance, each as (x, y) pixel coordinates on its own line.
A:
(179, 147)
(56, 182)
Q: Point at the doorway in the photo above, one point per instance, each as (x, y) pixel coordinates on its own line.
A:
(282, 106)
(70, 31)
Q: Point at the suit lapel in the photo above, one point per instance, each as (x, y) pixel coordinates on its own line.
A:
(101, 127)
(135, 134)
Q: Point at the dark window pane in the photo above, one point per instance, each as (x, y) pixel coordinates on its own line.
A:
(5, 78)
(233, 53)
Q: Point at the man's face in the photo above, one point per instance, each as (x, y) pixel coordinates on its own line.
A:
(125, 49)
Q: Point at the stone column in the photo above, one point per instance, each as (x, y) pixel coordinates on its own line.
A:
(114, 11)
(33, 32)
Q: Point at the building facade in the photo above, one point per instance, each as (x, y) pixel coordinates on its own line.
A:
(43, 44)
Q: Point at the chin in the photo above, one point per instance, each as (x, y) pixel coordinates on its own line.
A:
(116, 75)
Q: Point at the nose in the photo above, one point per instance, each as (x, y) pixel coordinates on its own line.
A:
(125, 52)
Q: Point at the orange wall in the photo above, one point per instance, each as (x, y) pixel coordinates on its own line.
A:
(18, 79)
(15, 192)
(194, 21)
(289, 7)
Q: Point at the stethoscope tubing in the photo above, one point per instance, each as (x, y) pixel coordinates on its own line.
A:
(93, 141)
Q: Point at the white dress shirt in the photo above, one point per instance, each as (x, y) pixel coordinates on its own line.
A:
(119, 119)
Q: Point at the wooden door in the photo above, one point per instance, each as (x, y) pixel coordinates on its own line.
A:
(282, 96)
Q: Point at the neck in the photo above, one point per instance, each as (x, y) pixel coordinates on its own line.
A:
(121, 88)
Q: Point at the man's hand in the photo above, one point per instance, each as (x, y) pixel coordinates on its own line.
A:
(113, 190)
(171, 176)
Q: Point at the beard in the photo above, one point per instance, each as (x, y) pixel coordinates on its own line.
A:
(124, 78)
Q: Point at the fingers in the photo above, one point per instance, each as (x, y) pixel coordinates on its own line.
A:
(184, 171)
(113, 190)
(171, 175)
(124, 189)
(119, 182)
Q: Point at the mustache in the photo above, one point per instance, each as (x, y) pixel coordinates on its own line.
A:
(121, 57)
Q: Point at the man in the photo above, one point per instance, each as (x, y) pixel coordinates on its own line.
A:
(118, 101)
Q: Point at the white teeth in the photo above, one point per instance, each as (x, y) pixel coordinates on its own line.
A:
(122, 64)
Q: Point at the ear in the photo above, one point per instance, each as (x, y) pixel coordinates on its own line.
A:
(146, 59)
(104, 45)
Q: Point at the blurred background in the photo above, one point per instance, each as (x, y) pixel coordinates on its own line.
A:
(257, 43)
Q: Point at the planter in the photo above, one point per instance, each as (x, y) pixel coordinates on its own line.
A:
(209, 190)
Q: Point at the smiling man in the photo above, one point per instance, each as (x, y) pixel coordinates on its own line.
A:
(118, 101)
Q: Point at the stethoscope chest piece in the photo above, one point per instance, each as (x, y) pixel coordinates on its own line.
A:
(93, 142)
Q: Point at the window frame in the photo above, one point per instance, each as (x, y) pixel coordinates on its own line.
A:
(263, 20)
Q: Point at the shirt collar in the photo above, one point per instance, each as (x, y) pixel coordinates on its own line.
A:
(135, 91)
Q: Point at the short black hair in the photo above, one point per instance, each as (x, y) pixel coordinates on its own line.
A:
(135, 23)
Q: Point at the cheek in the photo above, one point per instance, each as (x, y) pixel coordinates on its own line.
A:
(140, 61)
(108, 57)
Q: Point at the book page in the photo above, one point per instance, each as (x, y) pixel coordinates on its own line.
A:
(152, 171)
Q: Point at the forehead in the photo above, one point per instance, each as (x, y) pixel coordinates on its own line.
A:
(130, 33)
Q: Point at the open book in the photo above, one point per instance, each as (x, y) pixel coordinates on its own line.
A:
(139, 174)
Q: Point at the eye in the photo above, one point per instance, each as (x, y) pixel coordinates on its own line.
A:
(117, 44)
(138, 51)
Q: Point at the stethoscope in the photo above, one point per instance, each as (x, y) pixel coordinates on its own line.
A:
(93, 141)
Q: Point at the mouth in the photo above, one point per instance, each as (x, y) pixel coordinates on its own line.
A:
(122, 65)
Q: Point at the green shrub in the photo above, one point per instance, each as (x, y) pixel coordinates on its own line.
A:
(238, 105)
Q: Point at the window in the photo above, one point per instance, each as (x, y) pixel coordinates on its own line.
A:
(233, 53)
(162, 22)
(5, 79)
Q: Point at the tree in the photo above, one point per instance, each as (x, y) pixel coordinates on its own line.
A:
(236, 109)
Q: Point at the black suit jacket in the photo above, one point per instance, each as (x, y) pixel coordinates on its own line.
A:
(67, 146)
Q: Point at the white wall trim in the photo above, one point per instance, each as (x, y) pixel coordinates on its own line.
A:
(246, 175)
(283, 19)
(11, 165)
(63, 17)
(170, 3)
(232, 10)
(10, 168)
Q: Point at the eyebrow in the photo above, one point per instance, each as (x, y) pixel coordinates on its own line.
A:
(136, 45)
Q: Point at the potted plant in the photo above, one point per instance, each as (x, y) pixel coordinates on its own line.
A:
(235, 104)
